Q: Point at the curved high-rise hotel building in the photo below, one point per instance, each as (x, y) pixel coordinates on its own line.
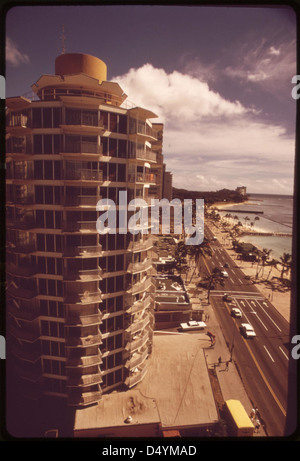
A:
(79, 303)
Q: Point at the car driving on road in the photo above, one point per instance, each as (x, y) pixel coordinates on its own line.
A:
(235, 312)
(247, 330)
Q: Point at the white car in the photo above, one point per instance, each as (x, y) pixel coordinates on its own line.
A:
(193, 325)
(235, 312)
(247, 330)
(224, 273)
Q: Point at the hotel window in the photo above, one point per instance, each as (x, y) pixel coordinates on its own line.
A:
(46, 144)
(81, 117)
(54, 329)
(51, 308)
(46, 117)
(50, 287)
(54, 348)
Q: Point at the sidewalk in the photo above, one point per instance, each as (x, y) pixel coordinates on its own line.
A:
(229, 380)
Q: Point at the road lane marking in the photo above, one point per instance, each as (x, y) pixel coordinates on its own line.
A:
(284, 353)
(264, 378)
(269, 354)
(253, 312)
(270, 318)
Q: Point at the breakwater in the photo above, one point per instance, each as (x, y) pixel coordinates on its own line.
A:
(240, 211)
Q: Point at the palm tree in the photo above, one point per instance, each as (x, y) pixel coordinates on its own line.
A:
(196, 251)
(264, 258)
(272, 263)
(215, 277)
(286, 261)
(180, 256)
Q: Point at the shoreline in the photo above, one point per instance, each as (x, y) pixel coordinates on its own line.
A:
(268, 282)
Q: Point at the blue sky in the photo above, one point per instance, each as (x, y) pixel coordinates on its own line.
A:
(219, 78)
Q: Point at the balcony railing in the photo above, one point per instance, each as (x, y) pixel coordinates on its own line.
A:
(137, 359)
(78, 341)
(83, 298)
(82, 147)
(82, 362)
(76, 226)
(83, 320)
(145, 285)
(83, 274)
(142, 177)
(85, 399)
(83, 175)
(141, 245)
(83, 250)
(82, 200)
(84, 380)
(140, 266)
(143, 155)
(136, 376)
(138, 325)
(140, 305)
(139, 341)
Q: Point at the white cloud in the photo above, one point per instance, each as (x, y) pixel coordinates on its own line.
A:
(182, 95)
(209, 142)
(14, 56)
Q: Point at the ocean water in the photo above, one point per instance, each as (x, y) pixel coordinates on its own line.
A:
(277, 217)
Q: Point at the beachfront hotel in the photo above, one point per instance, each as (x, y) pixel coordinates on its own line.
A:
(79, 304)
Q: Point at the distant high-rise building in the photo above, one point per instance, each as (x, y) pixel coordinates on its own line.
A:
(167, 185)
(79, 304)
(241, 190)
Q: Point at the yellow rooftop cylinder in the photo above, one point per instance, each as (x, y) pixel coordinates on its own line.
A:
(77, 63)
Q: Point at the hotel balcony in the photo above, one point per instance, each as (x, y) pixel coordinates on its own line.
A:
(137, 342)
(140, 305)
(137, 359)
(84, 399)
(23, 224)
(85, 361)
(80, 226)
(82, 175)
(83, 275)
(144, 285)
(28, 335)
(136, 376)
(142, 154)
(25, 271)
(82, 201)
(140, 266)
(83, 298)
(81, 147)
(22, 354)
(18, 247)
(141, 245)
(84, 341)
(84, 380)
(21, 292)
(86, 251)
(81, 319)
(142, 178)
(23, 312)
(137, 326)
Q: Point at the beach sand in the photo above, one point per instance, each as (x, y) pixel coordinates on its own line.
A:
(270, 287)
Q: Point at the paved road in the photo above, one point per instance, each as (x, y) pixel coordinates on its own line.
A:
(262, 361)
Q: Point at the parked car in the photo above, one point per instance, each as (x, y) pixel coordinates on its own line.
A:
(193, 325)
(247, 330)
(235, 312)
(224, 274)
